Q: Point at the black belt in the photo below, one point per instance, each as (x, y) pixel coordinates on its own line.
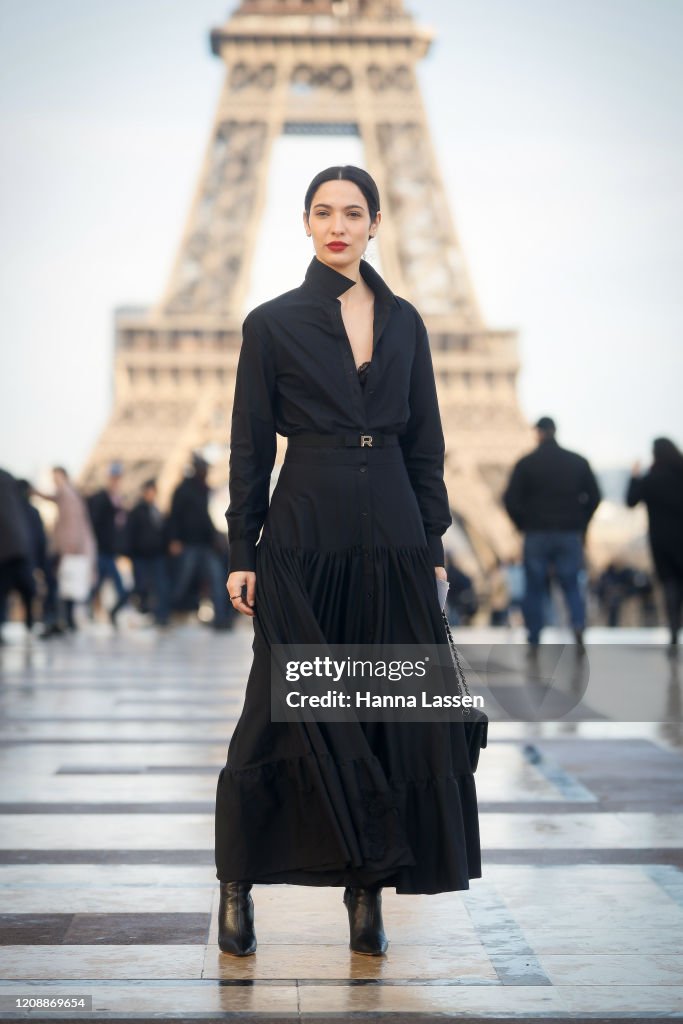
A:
(342, 440)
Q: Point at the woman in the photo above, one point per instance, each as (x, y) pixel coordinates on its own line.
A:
(72, 536)
(350, 552)
(661, 488)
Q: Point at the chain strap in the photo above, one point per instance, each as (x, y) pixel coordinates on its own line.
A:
(462, 682)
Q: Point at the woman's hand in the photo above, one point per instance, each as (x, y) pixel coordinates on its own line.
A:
(635, 469)
(440, 572)
(236, 581)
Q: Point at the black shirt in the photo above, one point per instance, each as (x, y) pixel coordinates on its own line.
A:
(296, 372)
(146, 531)
(189, 520)
(552, 488)
(109, 522)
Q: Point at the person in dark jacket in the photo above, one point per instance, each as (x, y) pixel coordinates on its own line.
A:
(146, 533)
(36, 530)
(108, 517)
(461, 601)
(44, 562)
(661, 488)
(193, 538)
(551, 497)
(16, 570)
(37, 539)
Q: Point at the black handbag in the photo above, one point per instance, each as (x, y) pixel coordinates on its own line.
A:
(475, 720)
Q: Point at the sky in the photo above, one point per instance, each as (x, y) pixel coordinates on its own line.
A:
(559, 132)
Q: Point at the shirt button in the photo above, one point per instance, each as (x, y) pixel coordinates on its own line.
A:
(363, 469)
(364, 513)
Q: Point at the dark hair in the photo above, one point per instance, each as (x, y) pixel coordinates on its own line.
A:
(666, 453)
(346, 172)
(546, 425)
(148, 483)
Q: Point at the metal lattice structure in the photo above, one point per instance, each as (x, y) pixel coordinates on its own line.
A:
(315, 66)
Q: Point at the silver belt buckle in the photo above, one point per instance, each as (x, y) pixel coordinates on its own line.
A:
(366, 440)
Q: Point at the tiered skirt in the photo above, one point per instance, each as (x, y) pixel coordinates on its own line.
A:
(343, 558)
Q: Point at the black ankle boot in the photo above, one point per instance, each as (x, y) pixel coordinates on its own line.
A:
(365, 920)
(236, 933)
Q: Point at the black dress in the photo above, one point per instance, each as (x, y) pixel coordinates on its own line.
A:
(347, 555)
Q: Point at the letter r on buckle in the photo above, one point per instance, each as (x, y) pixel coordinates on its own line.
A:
(366, 440)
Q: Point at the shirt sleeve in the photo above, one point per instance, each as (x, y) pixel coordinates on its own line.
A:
(253, 444)
(424, 447)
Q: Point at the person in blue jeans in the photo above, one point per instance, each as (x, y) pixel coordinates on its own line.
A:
(146, 536)
(108, 516)
(194, 538)
(551, 497)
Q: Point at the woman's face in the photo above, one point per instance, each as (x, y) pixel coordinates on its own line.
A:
(339, 214)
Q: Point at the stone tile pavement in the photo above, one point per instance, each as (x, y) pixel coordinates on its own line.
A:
(110, 746)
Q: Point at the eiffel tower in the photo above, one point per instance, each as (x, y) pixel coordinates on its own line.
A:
(314, 67)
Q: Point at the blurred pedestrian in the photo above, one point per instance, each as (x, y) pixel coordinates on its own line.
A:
(194, 538)
(614, 586)
(461, 601)
(661, 488)
(37, 538)
(516, 585)
(108, 516)
(146, 546)
(498, 595)
(72, 553)
(36, 529)
(645, 596)
(16, 572)
(551, 497)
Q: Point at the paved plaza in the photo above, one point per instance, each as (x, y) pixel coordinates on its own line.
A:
(110, 749)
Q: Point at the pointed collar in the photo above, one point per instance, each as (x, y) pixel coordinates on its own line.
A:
(329, 283)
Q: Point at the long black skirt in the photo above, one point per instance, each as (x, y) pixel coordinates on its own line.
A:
(343, 558)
